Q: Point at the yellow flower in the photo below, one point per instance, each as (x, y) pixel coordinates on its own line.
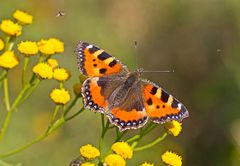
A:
(46, 47)
(11, 28)
(172, 159)
(114, 160)
(60, 74)
(146, 164)
(58, 45)
(77, 88)
(8, 60)
(174, 127)
(53, 63)
(23, 17)
(28, 48)
(60, 96)
(43, 70)
(122, 149)
(1, 44)
(87, 164)
(90, 152)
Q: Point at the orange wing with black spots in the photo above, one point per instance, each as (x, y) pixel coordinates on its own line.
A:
(93, 61)
(160, 106)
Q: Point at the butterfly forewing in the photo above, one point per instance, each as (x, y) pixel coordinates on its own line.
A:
(93, 61)
(160, 106)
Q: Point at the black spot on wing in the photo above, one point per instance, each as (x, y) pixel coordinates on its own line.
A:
(103, 56)
(103, 71)
(93, 49)
(164, 96)
(113, 63)
(101, 83)
(154, 90)
(149, 101)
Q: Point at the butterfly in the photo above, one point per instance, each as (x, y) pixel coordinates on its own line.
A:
(127, 100)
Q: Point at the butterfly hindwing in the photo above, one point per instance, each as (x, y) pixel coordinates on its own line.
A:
(160, 106)
(93, 61)
(130, 113)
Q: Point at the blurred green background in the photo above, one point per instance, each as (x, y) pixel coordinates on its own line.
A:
(199, 40)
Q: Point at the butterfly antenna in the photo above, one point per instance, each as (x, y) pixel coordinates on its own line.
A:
(158, 71)
(136, 58)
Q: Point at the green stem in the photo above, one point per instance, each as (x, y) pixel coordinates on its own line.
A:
(76, 114)
(104, 130)
(5, 124)
(55, 113)
(6, 95)
(71, 105)
(152, 143)
(25, 64)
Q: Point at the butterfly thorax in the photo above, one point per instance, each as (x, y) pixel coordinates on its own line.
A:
(122, 91)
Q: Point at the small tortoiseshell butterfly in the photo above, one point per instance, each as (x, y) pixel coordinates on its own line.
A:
(126, 99)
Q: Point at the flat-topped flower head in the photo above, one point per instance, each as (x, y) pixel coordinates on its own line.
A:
(58, 45)
(89, 152)
(88, 164)
(43, 70)
(114, 160)
(172, 159)
(60, 74)
(53, 63)
(174, 127)
(123, 149)
(1, 44)
(23, 17)
(8, 60)
(45, 47)
(146, 164)
(11, 28)
(60, 96)
(28, 48)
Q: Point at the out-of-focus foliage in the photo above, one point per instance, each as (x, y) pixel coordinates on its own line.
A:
(199, 40)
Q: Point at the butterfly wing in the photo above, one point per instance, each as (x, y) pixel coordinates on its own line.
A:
(160, 106)
(130, 113)
(93, 61)
(97, 90)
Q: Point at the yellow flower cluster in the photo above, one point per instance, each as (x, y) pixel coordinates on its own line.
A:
(174, 127)
(43, 70)
(60, 74)
(1, 44)
(50, 46)
(114, 160)
(11, 28)
(8, 60)
(28, 48)
(53, 63)
(172, 159)
(60, 96)
(89, 152)
(146, 164)
(23, 17)
(123, 149)
(87, 164)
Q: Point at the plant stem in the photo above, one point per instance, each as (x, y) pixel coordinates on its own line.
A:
(57, 107)
(104, 130)
(76, 114)
(25, 64)
(2, 76)
(71, 105)
(6, 95)
(152, 143)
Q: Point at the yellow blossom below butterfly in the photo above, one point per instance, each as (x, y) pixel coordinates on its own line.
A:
(1, 44)
(53, 63)
(146, 164)
(114, 160)
(58, 45)
(45, 47)
(8, 60)
(11, 28)
(60, 74)
(43, 70)
(122, 149)
(28, 48)
(60, 96)
(172, 159)
(174, 127)
(87, 164)
(23, 17)
(89, 152)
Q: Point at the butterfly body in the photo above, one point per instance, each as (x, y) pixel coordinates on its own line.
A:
(126, 99)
